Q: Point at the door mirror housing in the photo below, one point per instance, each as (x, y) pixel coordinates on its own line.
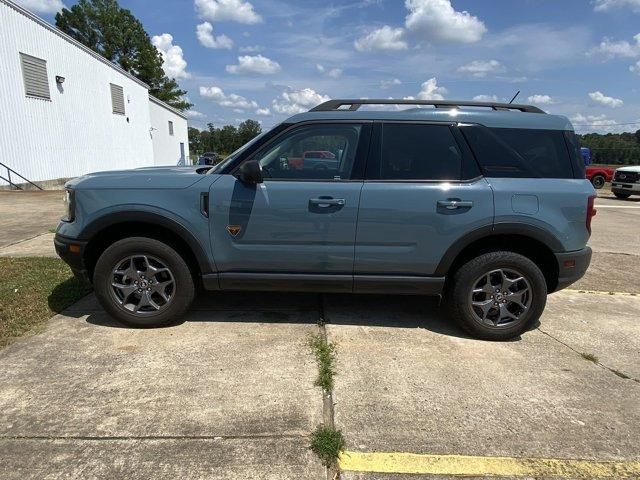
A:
(250, 172)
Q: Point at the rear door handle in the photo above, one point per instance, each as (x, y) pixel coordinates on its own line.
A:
(327, 202)
(453, 204)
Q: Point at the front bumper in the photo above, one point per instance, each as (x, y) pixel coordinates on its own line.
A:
(621, 187)
(572, 266)
(72, 252)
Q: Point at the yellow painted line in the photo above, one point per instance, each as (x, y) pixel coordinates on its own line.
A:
(380, 462)
(598, 292)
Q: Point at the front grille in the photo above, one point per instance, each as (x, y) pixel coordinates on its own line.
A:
(627, 177)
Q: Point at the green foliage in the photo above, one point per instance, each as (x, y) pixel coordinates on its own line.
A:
(225, 139)
(325, 354)
(613, 148)
(327, 443)
(114, 33)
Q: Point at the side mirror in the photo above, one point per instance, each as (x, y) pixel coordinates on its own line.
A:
(250, 172)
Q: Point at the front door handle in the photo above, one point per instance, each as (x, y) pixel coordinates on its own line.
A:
(326, 202)
(454, 204)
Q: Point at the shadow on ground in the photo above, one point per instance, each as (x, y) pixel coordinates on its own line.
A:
(397, 311)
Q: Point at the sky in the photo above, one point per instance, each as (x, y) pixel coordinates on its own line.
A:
(270, 59)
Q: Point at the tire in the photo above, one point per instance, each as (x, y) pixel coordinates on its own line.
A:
(150, 274)
(622, 196)
(510, 319)
(598, 181)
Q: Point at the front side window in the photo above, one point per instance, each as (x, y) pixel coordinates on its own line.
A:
(419, 152)
(312, 152)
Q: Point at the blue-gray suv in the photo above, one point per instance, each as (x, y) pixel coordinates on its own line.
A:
(483, 204)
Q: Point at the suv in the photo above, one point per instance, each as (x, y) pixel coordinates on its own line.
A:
(484, 204)
(626, 182)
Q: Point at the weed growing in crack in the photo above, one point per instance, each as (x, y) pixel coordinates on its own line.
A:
(327, 443)
(325, 354)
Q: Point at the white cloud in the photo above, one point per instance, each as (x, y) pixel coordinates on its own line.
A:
(293, 101)
(251, 49)
(431, 91)
(480, 68)
(485, 98)
(607, 5)
(635, 68)
(237, 102)
(227, 10)
(263, 112)
(602, 99)
(173, 62)
(592, 123)
(256, 64)
(41, 6)
(204, 32)
(194, 114)
(383, 39)
(331, 73)
(612, 49)
(438, 21)
(541, 99)
(384, 84)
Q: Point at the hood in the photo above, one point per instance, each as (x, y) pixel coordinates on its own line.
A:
(634, 168)
(140, 178)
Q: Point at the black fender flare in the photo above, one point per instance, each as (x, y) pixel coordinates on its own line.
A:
(128, 216)
(525, 230)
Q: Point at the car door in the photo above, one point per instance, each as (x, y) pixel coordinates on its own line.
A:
(422, 192)
(296, 229)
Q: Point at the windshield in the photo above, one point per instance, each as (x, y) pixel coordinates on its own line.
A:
(220, 166)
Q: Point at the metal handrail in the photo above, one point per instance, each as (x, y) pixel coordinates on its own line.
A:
(15, 185)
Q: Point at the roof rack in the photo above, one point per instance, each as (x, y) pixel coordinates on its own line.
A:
(352, 105)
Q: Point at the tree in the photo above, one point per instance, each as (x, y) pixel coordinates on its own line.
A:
(114, 33)
(223, 140)
(247, 130)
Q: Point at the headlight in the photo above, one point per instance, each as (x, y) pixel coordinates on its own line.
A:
(70, 205)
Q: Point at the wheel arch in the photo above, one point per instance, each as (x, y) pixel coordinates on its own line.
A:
(532, 242)
(115, 226)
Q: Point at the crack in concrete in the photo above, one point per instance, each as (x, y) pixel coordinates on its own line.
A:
(151, 437)
(597, 362)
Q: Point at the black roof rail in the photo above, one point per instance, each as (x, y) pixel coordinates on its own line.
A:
(355, 104)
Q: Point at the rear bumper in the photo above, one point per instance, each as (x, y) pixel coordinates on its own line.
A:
(71, 251)
(572, 266)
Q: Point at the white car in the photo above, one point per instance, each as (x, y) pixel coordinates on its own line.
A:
(626, 182)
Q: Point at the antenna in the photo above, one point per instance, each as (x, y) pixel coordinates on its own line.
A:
(514, 97)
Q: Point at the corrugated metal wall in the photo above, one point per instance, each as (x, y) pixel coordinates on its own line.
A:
(75, 132)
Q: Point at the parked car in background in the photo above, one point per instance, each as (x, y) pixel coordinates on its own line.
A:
(626, 182)
(596, 174)
(484, 204)
(208, 158)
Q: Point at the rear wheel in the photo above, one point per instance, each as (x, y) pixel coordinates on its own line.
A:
(622, 196)
(598, 181)
(497, 295)
(143, 282)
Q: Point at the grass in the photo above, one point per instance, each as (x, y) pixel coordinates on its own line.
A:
(590, 357)
(32, 290)
(327, 443)
(620, 374)
(325, 354)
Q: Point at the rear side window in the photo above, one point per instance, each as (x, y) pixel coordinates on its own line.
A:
(419, 152)
(520, 153)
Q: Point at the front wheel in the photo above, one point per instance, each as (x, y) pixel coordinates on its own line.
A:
(598, 181)
(622, 196)
(143, 282)
(497, 295)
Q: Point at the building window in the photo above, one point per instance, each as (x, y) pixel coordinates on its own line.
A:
(117, 99)
(34, 73)
(170, 127)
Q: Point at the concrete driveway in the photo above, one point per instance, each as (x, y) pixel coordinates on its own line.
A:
(24, 215)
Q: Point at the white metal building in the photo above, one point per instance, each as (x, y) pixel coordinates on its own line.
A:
(66, 111)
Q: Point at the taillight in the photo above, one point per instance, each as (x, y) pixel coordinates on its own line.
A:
(591, 211)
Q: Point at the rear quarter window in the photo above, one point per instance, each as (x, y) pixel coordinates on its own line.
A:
(520, 153)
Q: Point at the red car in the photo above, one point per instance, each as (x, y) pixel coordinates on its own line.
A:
(599, 175)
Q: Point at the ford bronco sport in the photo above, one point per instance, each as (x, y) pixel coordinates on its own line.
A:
(484, 204)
